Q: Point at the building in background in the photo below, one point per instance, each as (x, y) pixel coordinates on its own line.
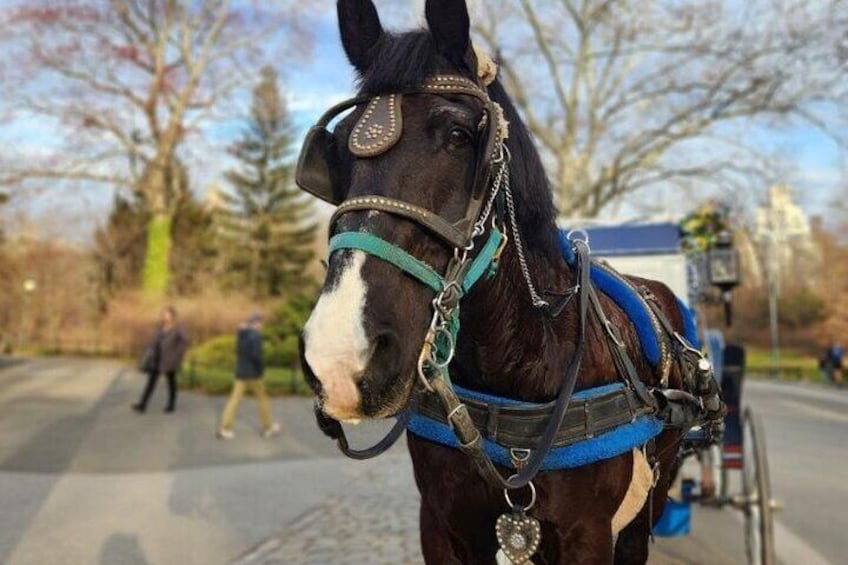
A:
(784, 237)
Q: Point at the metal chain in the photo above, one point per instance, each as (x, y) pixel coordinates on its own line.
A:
(496, 188)
(431, 358)
(537, 300)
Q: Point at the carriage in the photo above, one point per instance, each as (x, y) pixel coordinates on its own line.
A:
(654, 250)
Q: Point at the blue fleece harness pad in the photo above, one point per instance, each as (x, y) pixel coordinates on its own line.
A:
(604, 446)
(627, 298)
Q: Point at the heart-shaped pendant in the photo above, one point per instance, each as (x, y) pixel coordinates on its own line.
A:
(519, 536)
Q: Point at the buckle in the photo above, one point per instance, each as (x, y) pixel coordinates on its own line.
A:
(519, 457)
(453, 413)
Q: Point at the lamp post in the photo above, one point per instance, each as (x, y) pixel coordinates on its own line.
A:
(29, 287)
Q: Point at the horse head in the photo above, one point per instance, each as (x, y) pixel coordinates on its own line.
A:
(410, 161)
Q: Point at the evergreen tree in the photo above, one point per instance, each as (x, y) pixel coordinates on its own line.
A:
(267, 222)
(119, 248)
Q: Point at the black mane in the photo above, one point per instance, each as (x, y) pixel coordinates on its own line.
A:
(404, 61)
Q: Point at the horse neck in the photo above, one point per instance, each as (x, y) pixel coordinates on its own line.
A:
(507, 346)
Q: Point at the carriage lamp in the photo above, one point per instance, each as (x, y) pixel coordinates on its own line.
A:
(723, 263)
(723, 269)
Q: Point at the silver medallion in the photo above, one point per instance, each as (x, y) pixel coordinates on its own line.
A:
(518, 535)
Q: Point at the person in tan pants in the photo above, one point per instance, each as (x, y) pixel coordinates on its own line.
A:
(250, 368)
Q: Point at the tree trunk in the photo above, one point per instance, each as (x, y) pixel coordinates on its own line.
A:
(157, 268)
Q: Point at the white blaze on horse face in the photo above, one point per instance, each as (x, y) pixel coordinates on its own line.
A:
(337, 348)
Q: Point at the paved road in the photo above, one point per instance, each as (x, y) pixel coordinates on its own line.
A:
(84, 480)
(807, 434)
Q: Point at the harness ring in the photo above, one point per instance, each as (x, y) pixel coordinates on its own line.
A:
(532, 495)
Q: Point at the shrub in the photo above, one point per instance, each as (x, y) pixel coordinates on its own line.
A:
(211, 363)
(219, 351)
(284, 329)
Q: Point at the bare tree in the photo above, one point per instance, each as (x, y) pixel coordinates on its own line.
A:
(132, 81)
(624, 94)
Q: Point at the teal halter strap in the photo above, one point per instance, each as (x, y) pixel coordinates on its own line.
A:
(485, 262)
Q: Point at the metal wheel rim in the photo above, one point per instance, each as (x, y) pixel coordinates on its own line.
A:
(719, 474)
(759, 540)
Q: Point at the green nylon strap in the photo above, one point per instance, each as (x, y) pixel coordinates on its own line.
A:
(391, 253)
(483, 261)
(373, 245)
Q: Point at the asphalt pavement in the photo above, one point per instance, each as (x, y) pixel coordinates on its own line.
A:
(83, 479)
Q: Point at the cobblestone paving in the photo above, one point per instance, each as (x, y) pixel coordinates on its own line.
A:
(375, 521)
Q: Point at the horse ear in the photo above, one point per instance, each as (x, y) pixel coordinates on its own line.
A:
(450, 28)
(360, 29)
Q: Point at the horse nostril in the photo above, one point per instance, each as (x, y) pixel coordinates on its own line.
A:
(384, 364)
(386, 353)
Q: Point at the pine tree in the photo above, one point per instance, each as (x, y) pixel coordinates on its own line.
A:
(266, 219)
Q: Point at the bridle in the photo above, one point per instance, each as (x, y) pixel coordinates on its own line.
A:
(376, 132)
(490, 207)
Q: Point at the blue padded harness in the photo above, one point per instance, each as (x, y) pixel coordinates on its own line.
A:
(604, 446)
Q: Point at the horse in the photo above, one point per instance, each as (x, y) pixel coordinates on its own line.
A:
(430, 161)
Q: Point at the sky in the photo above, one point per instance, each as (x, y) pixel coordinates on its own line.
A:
(808, 160)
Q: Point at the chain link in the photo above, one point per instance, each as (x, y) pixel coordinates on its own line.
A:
(537, 300)
(503, 169)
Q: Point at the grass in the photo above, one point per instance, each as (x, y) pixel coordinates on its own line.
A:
(793, 365)
(218, 380)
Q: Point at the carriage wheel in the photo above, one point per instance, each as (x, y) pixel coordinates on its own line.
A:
(759, 537)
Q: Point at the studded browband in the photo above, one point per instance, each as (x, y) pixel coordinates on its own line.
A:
(453, 234)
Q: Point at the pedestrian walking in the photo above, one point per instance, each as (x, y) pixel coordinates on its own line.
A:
(250, 368)
(833, 362)
(163, 356)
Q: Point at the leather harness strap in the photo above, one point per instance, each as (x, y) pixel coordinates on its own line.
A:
(618, 352)
(520, 427)
(447, 231)
(700, 402)
(468, 435)
(334, 430)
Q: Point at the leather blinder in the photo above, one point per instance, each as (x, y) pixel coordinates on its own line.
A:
(313, 173)
(379, 128)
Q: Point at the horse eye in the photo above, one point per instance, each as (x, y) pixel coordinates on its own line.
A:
(458, 137)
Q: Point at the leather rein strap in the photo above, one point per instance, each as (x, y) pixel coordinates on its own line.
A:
(469, 437)
(334, 430)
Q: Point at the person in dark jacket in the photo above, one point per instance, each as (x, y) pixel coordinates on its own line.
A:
(833, 362)
(163, 356)
(250, 367)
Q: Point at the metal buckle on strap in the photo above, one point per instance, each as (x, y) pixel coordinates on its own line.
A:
(519, 457)
(612, 334)
(452, 413)
(477, 437)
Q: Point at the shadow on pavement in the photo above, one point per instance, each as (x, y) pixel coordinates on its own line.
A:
(122, 549)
